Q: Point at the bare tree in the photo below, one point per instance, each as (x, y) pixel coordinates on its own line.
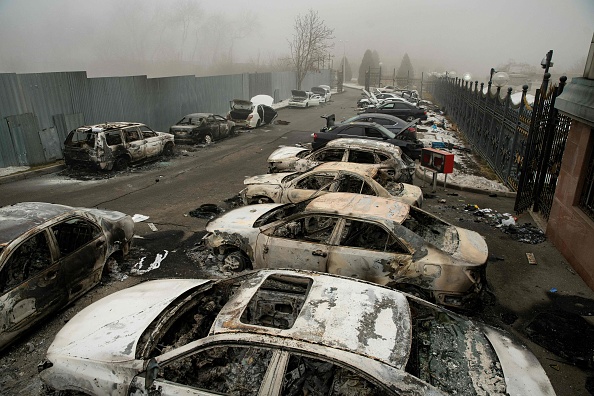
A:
(310, 43)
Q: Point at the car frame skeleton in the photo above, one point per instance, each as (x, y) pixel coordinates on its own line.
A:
(273, 331)
(50, 255)
(376, 239)
(115, 145)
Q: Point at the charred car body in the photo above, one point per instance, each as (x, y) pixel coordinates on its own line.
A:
(50, 255)
(253, 113)
(115, 145)
(404, 139)
(283, 332)
(362, 151)
(367, 179)
(380, 240)
(201, 128)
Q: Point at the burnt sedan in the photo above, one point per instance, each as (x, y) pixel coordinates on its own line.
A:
(404, 110)
(283, 333)
(380, 240)
(362, 151)
(202, 128)
(367, 179)
(50, 255)
(404, 137)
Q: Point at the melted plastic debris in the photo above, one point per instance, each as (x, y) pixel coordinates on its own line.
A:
(137, 269)
(138, 218)
(207, 211)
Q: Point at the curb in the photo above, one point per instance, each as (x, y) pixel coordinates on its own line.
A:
(419, 175)
(31, 173)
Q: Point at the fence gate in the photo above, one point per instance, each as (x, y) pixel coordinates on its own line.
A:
(544, 149)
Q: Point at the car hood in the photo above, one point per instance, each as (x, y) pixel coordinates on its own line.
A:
(472, 247)
(243, 217)
(298, 94)
(285, 152)
(274, 178)
(165, 135)
(262, 100)
(108, 330)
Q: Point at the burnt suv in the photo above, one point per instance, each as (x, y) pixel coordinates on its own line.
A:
(115, 145)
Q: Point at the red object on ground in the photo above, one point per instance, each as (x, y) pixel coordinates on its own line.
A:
(437, 160)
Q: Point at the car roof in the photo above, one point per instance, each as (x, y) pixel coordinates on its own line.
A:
(364, 143)
(360, 205)
(19, 218)
(198, 115)
(109, 126)
(338, 312)
(368, 170)
(381, 115)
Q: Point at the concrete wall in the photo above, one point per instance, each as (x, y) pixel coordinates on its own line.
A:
(569, 228)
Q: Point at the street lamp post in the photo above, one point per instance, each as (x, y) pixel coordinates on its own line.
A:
(379, 82)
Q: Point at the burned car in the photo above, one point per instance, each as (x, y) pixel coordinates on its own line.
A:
(362, 151)
(253, 113)
(202, 128)
(115, 145)
(50, 255)
(372, 126)
(380, 240)
(283, 333)
(367, 179)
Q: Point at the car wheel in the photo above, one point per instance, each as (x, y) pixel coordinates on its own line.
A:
(306, 105)
(168, 149)
(208, 139)
(121, 163)
(232, 131)
(410, 118)
(258, 123)
(236, 261)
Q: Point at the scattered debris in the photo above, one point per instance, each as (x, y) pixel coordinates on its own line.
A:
(282, 122)
(531, 258)
(152, 226)
(207, 211)
(567, 335)
(138, 218)
(137, 269)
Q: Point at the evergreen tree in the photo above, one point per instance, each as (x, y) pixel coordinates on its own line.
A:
(366, 63)
(405, 70)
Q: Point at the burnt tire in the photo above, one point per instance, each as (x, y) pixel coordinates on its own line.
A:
(207, 139)
(168, 149)
(409, 119)
(121, 163)
(236, 261)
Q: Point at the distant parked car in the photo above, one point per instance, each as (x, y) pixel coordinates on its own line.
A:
(50, 255)
(251, 114)
(366, 179)
(404, 110)
(363, 151)
(115, 145)
(405, 139)
(202, 128)
(280, 332)
(323, 92)
(300, 98)
(377, 239)
(387, 88)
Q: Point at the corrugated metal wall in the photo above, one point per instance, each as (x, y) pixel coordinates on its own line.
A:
(56, 101)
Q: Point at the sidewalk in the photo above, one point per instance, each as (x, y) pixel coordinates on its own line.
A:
(32, 172)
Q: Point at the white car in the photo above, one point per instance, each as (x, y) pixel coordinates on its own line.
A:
(366, 179)
(324, 93)
(283, 333)
(253, 113)
(300, 98)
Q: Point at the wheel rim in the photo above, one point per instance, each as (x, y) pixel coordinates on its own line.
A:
(234, 263)
(208, 139)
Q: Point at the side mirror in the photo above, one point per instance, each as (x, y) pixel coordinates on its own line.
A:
(152, 369)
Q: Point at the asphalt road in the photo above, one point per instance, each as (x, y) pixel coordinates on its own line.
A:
(168, 190)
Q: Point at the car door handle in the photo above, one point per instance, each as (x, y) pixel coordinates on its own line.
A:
(319, 253)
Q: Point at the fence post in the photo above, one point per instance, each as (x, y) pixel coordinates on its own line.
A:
(501, 129)
(517, 131)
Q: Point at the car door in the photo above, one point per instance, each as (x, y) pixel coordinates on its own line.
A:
(222, 126)
(303, 242)
(31, 283)
(353, 183)
(236, 369)
(135, 143)
(366, 250)
(212, 127)
(82, 248)
(310, 184)
(353, 130)
(326, 154)
(153, 143)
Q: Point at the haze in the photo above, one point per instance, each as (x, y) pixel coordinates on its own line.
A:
(160, 38)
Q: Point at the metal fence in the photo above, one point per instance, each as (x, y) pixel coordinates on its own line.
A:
(38, 110)
(522, 142)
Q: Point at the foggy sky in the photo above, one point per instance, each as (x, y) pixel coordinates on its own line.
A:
(462, 35)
